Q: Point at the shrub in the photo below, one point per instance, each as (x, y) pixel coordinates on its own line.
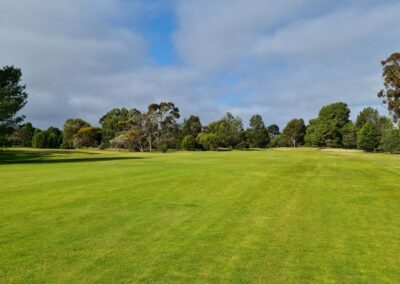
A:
(209, 141)
(189, 143)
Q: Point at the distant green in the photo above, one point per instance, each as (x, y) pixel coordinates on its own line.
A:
(271, 216)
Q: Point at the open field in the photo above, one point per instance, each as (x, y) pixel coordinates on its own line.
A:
(274, 216)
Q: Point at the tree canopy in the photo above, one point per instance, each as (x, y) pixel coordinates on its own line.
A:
(390, 95)
(12, 99)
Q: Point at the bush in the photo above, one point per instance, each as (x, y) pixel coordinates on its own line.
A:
(209, 141)
(163, 148)
(189, 143)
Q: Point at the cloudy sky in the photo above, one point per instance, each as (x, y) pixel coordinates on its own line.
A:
(281, 59)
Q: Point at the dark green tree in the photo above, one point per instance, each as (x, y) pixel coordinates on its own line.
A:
(12, 99)
(228, 130)
(295, 131)
(390, 141)
(368, 137)
(273, 130)
(326, 130)
(367, 114)
(349, 136)
(54, 137)
(192, 126)
(257, 132)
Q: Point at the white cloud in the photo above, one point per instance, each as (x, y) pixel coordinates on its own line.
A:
(80, 58)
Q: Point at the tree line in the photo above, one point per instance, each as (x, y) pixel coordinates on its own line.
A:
(157, 128)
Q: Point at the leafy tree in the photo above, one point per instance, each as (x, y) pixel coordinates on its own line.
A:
(39, 139)
(71, 128)
(228, 130)
(368, 137)
(111, 123)
(189, 143)
(87, 137)
(315, 133)
(279, 141)
(50, 138)
(192, 126)
(390, 95)
(54, 137)
(273, 130)
(257, 132)
(209, 141)
(390, 141)
(349, 136)
(326, 130)
(295, 131)
(160, 124)
(23, 135)
(12, 99)
(367, 114)
(122, 141)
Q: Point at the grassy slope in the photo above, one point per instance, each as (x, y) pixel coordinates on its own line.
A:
(276, 216)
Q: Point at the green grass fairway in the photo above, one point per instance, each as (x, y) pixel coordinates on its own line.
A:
(274, 216)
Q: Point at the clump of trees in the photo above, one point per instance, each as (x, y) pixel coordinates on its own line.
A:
(157, 127)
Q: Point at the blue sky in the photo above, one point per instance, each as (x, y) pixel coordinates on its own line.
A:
(281, 59)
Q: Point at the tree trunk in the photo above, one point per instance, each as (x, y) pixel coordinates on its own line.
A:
(294, 142)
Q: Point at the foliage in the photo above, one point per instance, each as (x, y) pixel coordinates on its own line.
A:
(273, 130)
(87, 137)
(368, 137)
(189, 143)
(111, 123)
(294, 132)
(39, 139)
(192, 126)
(390, 95)
(12, 99)
(122, 141)
(228, 130)
(209, 141)
(71, 128)
(23, 135)
(390, 141)
(349, 136)
(279, 141)
(326, 130)
(54, 137)
(257, 132)
(160, 125)
(50, 138)
(365, 115)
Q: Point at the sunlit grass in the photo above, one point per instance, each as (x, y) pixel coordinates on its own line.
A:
(281, 216)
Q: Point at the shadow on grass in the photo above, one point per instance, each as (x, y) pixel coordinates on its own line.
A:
(46, 157)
